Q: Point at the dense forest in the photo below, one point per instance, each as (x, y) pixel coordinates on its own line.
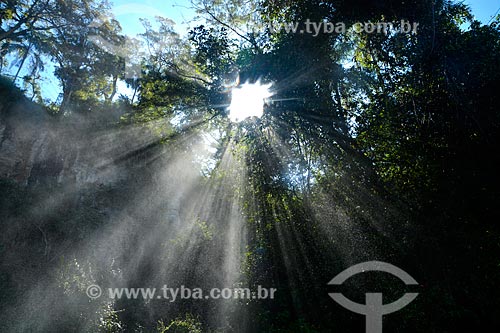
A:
(371, 146)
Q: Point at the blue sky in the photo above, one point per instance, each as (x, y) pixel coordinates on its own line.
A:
(483, 10)
(128, 12)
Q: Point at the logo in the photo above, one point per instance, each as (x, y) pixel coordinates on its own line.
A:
(373, 308)
(94, 291)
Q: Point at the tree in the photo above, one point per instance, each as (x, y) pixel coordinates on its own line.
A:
(62, 31)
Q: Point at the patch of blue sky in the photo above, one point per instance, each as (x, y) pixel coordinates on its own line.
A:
(129, 13)
(484, 10)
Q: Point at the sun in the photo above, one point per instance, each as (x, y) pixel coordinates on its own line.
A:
(248, 100)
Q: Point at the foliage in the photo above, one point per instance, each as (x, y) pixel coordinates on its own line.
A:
(189, 324)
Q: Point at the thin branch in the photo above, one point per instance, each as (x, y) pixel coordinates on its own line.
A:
(256, 47)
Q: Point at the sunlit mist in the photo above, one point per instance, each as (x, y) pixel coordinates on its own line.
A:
(248, 101)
